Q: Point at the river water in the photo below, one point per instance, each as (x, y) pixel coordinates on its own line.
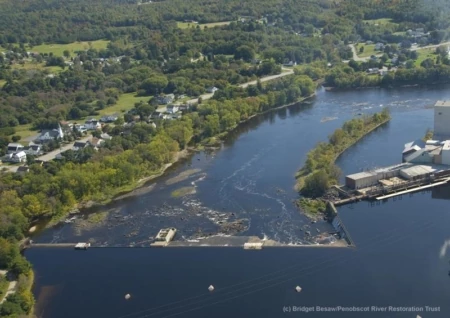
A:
(397, 261)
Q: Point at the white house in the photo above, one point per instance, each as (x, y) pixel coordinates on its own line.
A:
(109, 118)
(172, 109)
(20, 156)
(92, 124)
(212, 89)
(80, 128)
(14, 147)
(379, 46)
(34, 150)
(51, 134)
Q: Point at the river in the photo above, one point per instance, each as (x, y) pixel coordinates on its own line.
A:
(396, 261)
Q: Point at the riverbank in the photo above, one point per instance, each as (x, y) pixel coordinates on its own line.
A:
(320, 171)
(141, 186)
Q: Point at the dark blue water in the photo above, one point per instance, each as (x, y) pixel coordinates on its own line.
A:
(396, 263)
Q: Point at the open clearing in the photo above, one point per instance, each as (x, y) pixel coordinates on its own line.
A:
(124, 103)
(58, 49)
(186, 25)
(24, 131)
(428, 53)
(383, 21)
(37, 66)
(369, 50)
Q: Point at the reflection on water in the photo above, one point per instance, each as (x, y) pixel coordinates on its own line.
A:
(251, 178)
(400, 260)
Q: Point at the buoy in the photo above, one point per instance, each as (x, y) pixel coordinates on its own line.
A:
(211, 288)
(298, 289)
(418, 316)
(127, 296)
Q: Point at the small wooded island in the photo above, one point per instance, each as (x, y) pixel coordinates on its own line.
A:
(320, 172)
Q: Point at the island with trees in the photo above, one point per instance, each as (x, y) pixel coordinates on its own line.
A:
(319, 173)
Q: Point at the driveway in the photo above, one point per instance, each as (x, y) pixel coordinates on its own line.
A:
(48, 156)
(11, 288)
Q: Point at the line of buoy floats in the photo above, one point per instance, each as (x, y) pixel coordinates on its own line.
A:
(297, 289)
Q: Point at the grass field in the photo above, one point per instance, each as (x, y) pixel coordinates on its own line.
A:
(58, 49)
(24, 131)
(425, 54)
(125, 103)
(368, 50)
(383, 21)
(186, 25)
(37, 66)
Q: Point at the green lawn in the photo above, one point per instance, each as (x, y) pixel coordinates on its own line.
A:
(24, 131)
(125, 103)
(58, 49)
(425, 54)
(37, 66)
(368, 50)
(186, 25)
(383, 21)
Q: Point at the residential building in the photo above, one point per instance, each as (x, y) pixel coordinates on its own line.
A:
(34, 150)
(92, 124)
(166, 99)
(79, 145)
(20, 156)
(14, 147)
(80, 128)
(109, 118)
(96, 142)
(184, 107)
(379, 46)
(51, 134)
(23, 169)
(172, 109)
(212, 90)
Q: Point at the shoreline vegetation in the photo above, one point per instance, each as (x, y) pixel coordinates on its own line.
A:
(319, 173)
(68, 186)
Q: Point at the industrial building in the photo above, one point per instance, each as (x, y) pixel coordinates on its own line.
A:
(429, 152)
(442, 120)
(390, 175)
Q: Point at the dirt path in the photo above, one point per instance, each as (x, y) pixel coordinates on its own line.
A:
(11, 288)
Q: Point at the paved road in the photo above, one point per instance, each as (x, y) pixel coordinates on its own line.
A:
(51, 155)
(413, 48)
(48, 156)
(287, 71)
